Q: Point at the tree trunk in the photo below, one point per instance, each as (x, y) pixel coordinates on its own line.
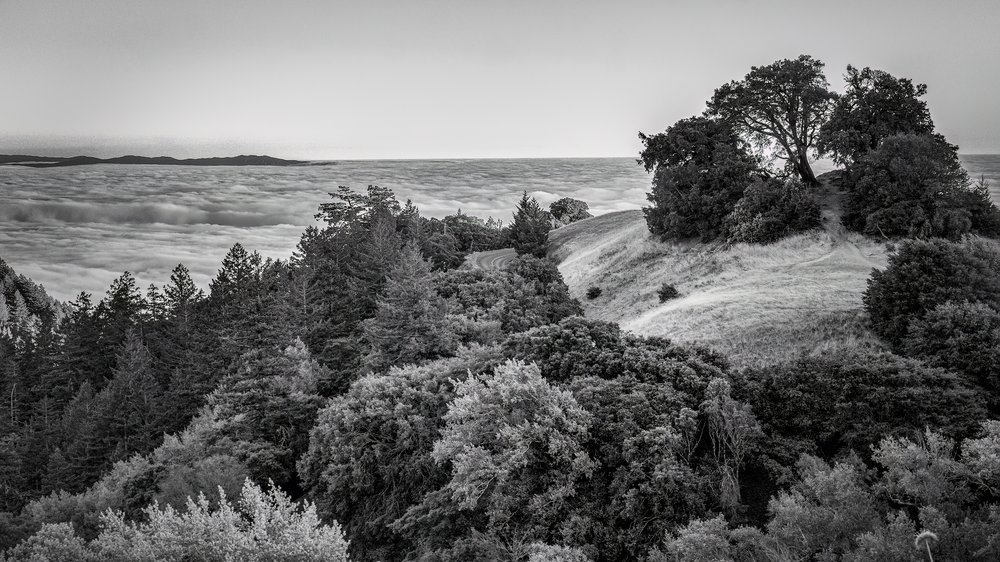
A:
(804, 170)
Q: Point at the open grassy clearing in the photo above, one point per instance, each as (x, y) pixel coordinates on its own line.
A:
(757, 304)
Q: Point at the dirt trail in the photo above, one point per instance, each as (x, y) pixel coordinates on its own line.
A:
(843, 251)
(495, 259)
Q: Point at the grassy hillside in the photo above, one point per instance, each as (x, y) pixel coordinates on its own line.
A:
(757, 304)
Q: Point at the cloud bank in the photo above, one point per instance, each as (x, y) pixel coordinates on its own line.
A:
(76, 229)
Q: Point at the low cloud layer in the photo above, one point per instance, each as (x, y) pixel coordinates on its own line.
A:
(76, 229)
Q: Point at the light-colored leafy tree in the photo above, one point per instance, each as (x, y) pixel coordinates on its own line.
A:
(516, 447)
(263, 526)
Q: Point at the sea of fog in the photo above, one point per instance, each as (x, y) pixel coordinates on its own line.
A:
(76, 228)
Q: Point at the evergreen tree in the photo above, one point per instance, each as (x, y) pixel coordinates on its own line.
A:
(127, 406)
(266, 407)
(529, 233)
(409, 325)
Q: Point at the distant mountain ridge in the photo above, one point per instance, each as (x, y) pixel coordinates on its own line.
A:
(58, 161)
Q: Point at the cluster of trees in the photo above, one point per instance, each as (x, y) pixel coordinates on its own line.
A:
(727, 174)
(238, 373)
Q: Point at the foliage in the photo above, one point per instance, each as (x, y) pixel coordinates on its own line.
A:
(593, 292)
(875, 106)
(568, 210)
(770, 210)
(528, 292)
(529, 233)
(409, 325)
(779, 108)
(915, 186)
(924, 274)
(515, 445)
(578, 347)
(265, 409)
(265, 526)
(963, 337)
(700, 169)
(917, 497)
(397, 416)
(844, 403)
(667, 292)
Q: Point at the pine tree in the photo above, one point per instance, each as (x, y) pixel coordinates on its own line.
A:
(409, 325)
(127, 405)
(181, 294)
(529, 233)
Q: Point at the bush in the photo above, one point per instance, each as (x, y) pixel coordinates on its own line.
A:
(578, 347)
(963, 337)
(568, 210)
(915, 186)
(667, 292)
(700, 171)
(770, 210)
(829, 404)
(925, 274)
(593, 292)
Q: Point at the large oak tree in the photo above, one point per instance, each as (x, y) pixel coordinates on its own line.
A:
(780, 108)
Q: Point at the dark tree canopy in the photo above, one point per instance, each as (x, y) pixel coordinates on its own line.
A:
(780, 108)
(925, 274)
(567, 210)
(875, 106)
(914, 185)
(700, 170)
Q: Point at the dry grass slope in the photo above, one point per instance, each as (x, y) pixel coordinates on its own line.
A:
(757, 304)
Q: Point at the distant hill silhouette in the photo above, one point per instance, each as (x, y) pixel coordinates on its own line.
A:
(56, 161)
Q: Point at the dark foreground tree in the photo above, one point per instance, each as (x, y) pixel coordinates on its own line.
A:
(700, 171)
(529, 233)
(875, 106)
(780, 108)
(925, 274)
(915, 186)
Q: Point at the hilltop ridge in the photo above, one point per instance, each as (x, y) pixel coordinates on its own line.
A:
(758, 304)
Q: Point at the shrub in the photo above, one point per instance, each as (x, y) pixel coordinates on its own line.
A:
(834, 403)
(700, 169)
(667, 292)
(528, 292)
(770, 210)
(914, 185)
(579, 347)
(593, 292)
(925, 274)
(568, 210)
(963, 337)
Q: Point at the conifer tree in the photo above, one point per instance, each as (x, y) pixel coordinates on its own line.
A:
(409, 325)
(529, 233)
(127, 405)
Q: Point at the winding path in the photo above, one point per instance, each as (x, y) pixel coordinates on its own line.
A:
(492, 260)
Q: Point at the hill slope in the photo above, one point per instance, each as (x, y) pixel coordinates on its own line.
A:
(757, 304)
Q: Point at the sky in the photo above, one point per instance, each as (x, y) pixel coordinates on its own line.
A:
(449, 79)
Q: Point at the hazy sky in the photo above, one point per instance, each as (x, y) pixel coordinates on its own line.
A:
(463, 78)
